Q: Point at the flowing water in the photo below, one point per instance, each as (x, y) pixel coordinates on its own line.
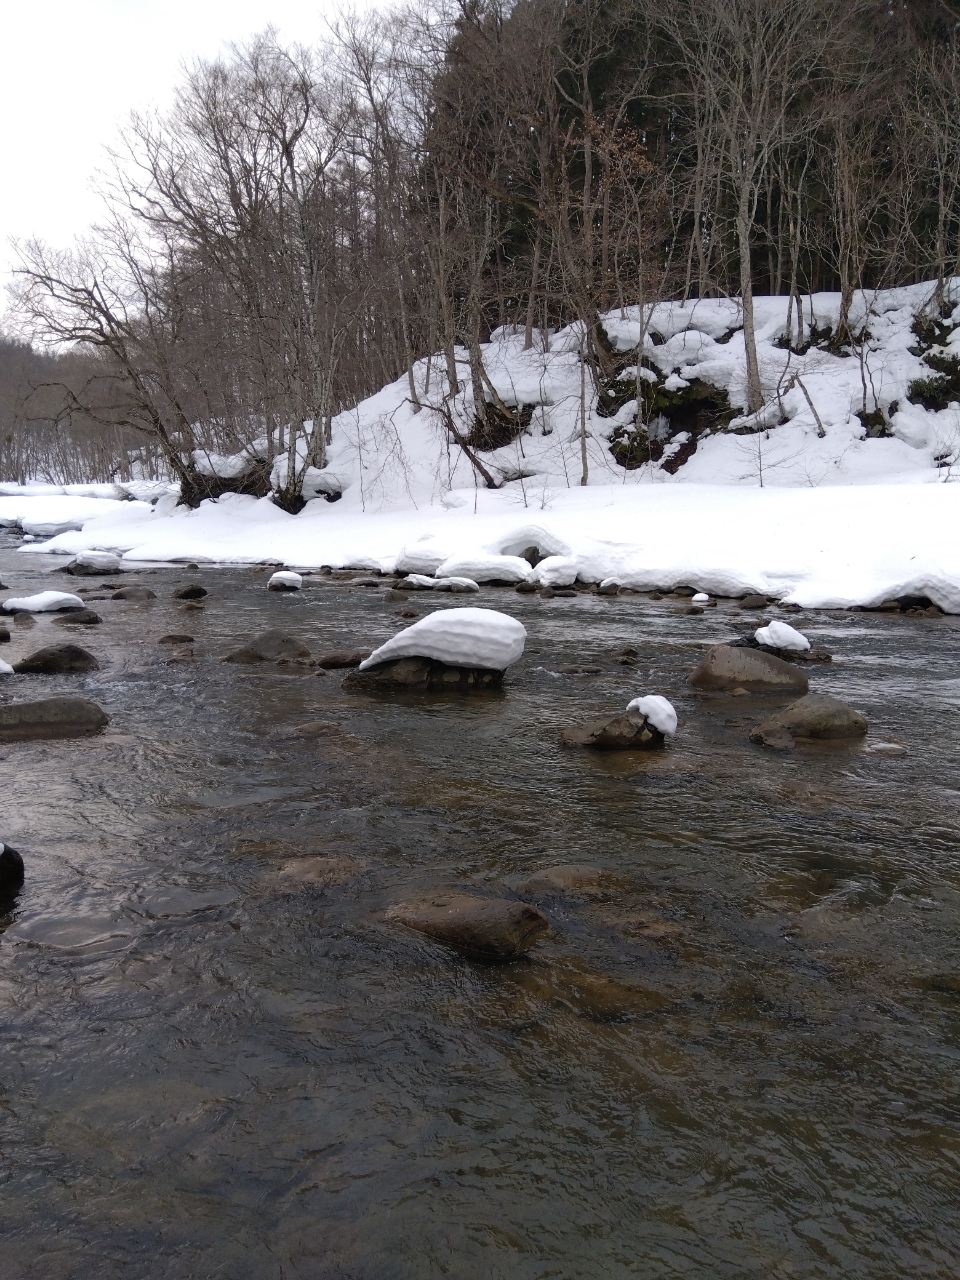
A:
(743, 1062)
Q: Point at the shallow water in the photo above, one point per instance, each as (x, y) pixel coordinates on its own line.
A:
(210, 1069)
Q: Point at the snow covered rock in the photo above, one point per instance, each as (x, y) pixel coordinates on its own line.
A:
(11, 870)
(492, 928)
(557, 571)
(487, 568)
(700, 597)
(421, 558)
(630, 731)
(51, 718)
(658, 710)
(475, 638)
(57, 660)
(284, 580)
(420, 582)
(815, 716)
(269, 646)
(609, 587)
(43, 602)
(5, 668)
(90, 564)
(724, 667)
(780, 635)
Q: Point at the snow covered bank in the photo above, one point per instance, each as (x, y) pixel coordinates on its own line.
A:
(838, 493)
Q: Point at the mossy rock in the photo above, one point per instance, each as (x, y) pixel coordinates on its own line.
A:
(498, 428)
(938, 391)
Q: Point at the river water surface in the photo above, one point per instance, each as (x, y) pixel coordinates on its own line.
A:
(744, 1062)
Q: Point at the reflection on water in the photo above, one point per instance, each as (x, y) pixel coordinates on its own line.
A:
(741, 1060)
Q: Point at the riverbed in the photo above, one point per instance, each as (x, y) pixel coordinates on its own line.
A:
(741, 1061)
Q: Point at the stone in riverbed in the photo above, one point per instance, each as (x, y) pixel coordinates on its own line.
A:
(57, 660)
(11, 871)
(754, 601)
(24, 620)
(489, 928)
(175, 639)
(815, 716)
(269, 646)
(51, 718)
(724, 667)
(78, 618)
(192, 592)
(575, 878)
(4, 635)
(322, 871)
(630, 731)
(134, 593)
(339, 659)
(423, 673)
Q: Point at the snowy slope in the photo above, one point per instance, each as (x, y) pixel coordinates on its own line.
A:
(811, 511)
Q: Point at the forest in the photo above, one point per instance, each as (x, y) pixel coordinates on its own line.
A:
(305, 224)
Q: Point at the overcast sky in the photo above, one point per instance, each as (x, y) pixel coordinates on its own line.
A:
(72, 70)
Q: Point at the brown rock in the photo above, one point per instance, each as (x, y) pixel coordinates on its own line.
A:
(423, 673)
(815, 716)
(58, 659)
(341, 658)
(175, 639)
(134, 593)
(577, 878)
(628, 732)
(324, 871)
(754, 602)
(193, 592)
(491, 928)
(269, 646)
(51, 718)
(77, 617)
(724, 667)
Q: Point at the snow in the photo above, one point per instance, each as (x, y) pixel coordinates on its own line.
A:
(658, 710)
(420, 582)
(700, 597)
(821, 520)
(467, 637)
(285, 578)
(98, 560)
(43, 602)
(778, 635)
(5, 670)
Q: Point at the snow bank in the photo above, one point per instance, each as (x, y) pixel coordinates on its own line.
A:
(43, 602)
(658, 710)
(778, 635)
(460, 637)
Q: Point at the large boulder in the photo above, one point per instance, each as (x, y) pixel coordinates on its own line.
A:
(57, 660)
(269, 646)
(11, 870)
(491, 928)
(422, 673)
(469, 638)
(815, 716)
(724, 667)
(630, 731)
(51, 718)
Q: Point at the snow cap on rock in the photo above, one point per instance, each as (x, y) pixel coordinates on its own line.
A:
(778, 635)
(43, 602)
(659, 712)
(5, 670)
(98, 560)
(701, 597)
(468, 637)
(286, 578)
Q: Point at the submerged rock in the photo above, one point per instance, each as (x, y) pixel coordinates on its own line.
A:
(11, 870)
(322, 871)
(57, 660)
(175, 638)
(78, 618)
(134, 593)
(726, 667)
(815, 716)
(51, 718)
(490, 928)
(631, 731)
(269, 646)
(577, 878)
(423, 673)
(193, 592)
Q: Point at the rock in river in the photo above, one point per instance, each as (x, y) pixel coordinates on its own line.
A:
(815, 716)
(470, 638)
(269, 646)
(631, 731)
(57, 660)
(78, 618)
(51, 718)
(575, 878)
(342, 658)
(491, 928)
(11, 870)
(724, 667)
(134, 593)
(423, 673)
(192, 592)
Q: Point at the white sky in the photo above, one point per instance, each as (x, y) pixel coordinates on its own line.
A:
(72, 70)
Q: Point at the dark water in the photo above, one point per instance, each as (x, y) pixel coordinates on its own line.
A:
(746, 1063)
